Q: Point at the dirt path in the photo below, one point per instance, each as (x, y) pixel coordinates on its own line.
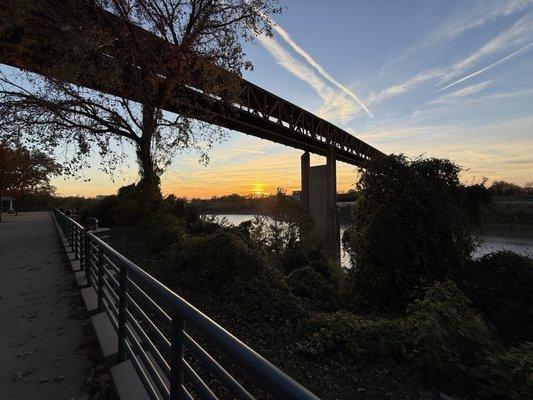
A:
(40, 326)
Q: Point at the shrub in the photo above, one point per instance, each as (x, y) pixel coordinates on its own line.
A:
(299, 255)
(181, 208)
(509, 375)
(501, 286)
(123, 209)
(442, 337)
(446, 338)
(308, 283)
(162, 229)
(361, 337)
(215, 259)
(413, 224)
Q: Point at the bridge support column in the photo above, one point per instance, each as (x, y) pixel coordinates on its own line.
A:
(304, 194)
(319, 198)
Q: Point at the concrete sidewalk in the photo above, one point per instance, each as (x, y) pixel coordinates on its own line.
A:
(40, 332)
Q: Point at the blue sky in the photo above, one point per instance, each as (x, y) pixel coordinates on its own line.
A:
(449, 79)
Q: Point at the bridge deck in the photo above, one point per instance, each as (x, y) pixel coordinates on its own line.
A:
(40, 333)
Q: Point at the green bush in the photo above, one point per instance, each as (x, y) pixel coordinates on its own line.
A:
(414, 223)
(162, 229)
(447, 339)
(442, 338)
(180, 208)
(299, 255)
(123, 209)
(501, 286)
(308, 283)
(215, 259)
(509, 375)
(361, 337)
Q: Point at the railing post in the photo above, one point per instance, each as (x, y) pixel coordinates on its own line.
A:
(176, 355)
(67, 233)
(76, 242)
(122, 302)
(82, 253)
(99, 291)
(70, 234)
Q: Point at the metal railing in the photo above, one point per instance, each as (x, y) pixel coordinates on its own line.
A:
(155, 327)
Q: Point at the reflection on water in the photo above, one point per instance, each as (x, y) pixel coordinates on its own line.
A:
(523, 246)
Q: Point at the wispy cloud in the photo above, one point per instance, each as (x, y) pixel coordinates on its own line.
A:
(298, 69)
(335, 105)
(248, 151)
(466, 17)
(405, 86)
(518, 33)
(338, 107)
(311, 61)
(488, 67)
(461, 93)
(511, 36)
(470, 17)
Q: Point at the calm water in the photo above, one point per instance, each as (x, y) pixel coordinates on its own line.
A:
(522, 246)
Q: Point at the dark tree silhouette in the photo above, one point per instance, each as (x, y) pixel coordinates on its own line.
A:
(23, 171)
(182, 43)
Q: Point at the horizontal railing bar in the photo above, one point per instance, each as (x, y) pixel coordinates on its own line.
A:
(142, 374)
(203, 390)
(149, 366)
(209, 362)
(155, 307)
(110, 313)
(274, 380)
(162, 339)
(107, 288)
(111, 263)
(146, 339)
(92, 281)
(267, 375)
(107, 297)
(110, 276)
(185, 393)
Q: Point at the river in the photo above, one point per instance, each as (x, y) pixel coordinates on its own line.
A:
(523, 246)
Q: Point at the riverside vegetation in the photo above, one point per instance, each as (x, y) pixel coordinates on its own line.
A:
(415, 315)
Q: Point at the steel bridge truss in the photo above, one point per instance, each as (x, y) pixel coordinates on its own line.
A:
(256, 112)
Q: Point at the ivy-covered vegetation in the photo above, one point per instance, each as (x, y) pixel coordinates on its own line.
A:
(414, 223)
(414, 299)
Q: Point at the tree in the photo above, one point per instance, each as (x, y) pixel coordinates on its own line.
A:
(502, 188)
(414, 223)
(118, 78)
(25, 172)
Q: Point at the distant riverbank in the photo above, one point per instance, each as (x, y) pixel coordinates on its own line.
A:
(492, 241)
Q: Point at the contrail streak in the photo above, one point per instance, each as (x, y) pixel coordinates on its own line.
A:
(311, 61)
(486, 68)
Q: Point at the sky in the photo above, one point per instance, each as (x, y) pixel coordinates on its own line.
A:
(449, 79)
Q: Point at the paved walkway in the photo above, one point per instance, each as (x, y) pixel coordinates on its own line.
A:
(40, 332)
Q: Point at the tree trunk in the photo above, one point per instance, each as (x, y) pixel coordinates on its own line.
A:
(149, 183)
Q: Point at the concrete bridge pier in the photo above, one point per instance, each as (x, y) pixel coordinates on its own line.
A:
(319, 198)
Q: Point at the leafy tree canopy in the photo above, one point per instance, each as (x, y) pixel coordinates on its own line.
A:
(413, 223)
(25, 172)
(117, 79)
